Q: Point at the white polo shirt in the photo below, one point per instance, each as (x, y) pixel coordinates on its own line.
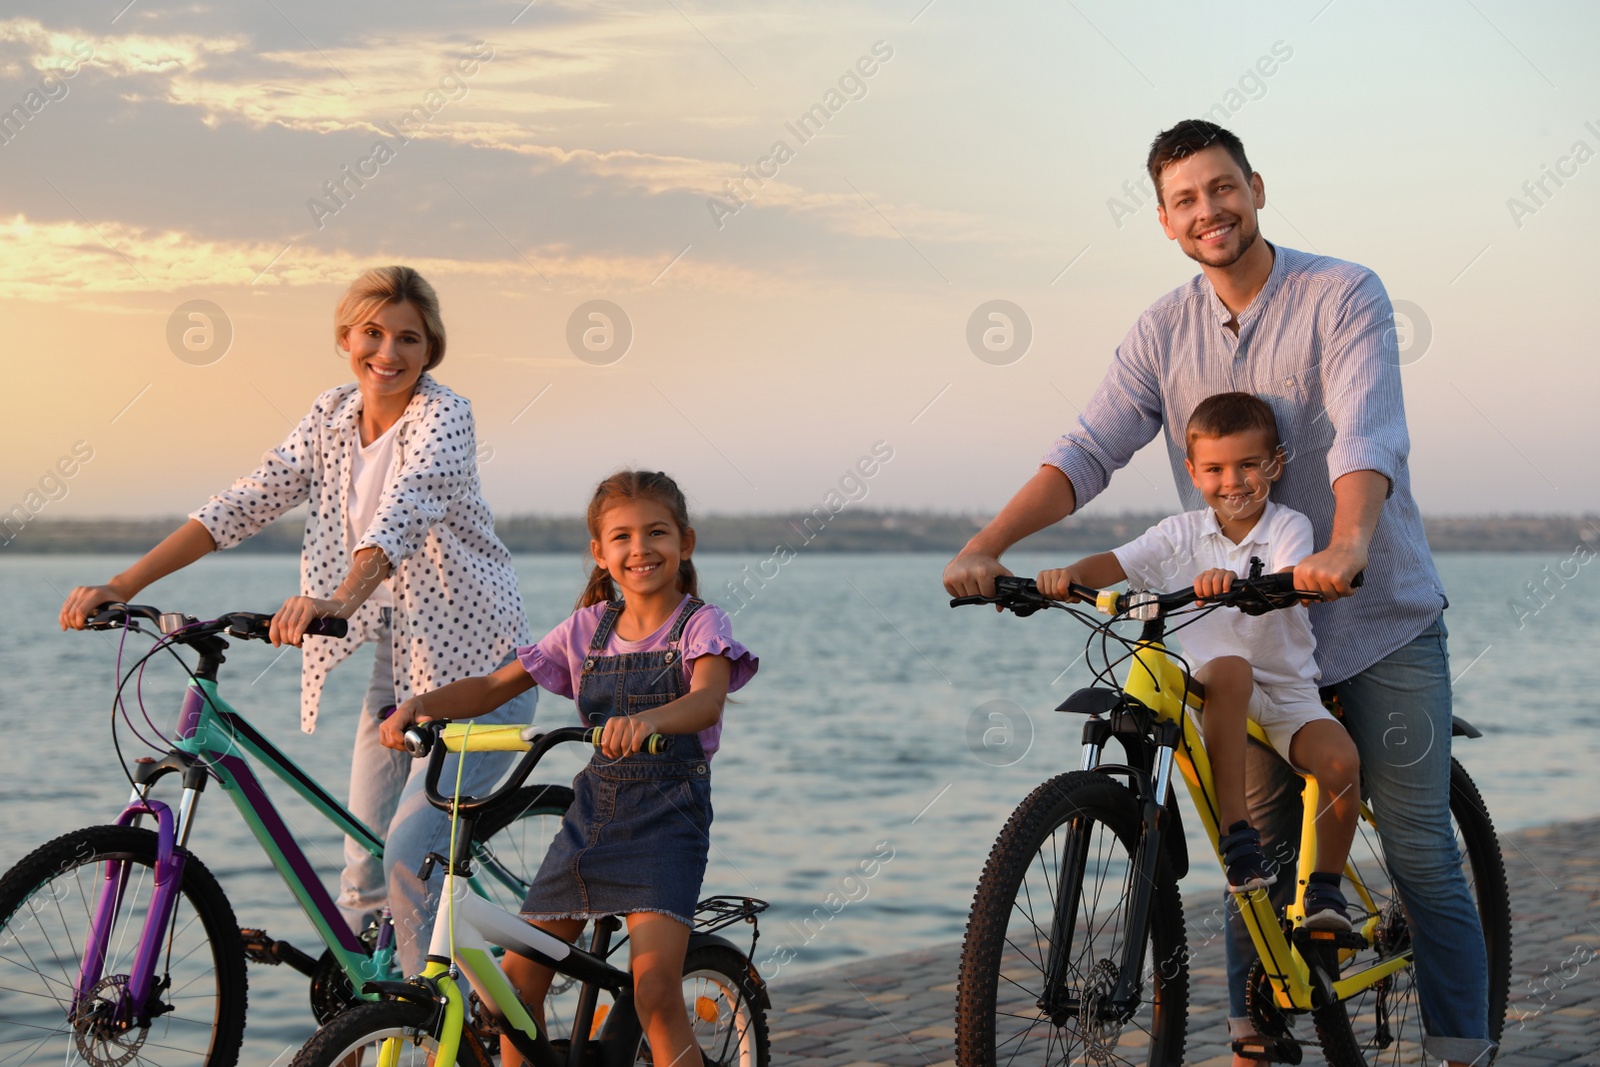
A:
(1170, 555)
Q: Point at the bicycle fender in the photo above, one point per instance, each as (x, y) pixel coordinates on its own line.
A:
(1460, 727)
(411, 991)
(698, 939)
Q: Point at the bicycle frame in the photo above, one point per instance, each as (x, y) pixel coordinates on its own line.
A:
(210, 741)
(1155, 681)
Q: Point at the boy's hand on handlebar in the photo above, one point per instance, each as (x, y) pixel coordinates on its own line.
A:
(1214, 582)
(84, 599)
(392, 731)
(290, 622)
(1057, 584)
(626, 734)
(1329, 572)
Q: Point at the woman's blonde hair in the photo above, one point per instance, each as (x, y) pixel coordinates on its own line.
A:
(383, 286)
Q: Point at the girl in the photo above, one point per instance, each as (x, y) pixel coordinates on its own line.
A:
(641, 655)
(399, 541)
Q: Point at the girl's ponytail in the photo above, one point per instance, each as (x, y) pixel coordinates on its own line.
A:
(600, 589)
(627, 485)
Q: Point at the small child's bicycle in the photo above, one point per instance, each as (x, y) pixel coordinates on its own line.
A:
(434, 1019)
(1076, 949)
(118, 946)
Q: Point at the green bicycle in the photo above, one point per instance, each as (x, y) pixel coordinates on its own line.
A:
(118, 946)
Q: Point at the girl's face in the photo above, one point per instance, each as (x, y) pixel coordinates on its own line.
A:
(640, 546)
(387, 351)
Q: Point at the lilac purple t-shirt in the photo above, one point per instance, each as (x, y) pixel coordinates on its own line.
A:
(556, 662)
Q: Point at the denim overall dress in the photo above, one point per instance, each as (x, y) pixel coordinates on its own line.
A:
(638, 832)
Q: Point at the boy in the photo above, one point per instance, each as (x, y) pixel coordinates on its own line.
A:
(1261, 666)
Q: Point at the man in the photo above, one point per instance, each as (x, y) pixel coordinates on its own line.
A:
(1314, 337)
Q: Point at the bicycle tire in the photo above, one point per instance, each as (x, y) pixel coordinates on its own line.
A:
(724, 1005)
(342, 1040)
(1349, 1029)
(1004, 937)
(46, 904)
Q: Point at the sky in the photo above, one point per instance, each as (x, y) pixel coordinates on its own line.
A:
(793, 213)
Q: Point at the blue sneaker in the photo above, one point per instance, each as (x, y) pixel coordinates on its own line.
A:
(1325, 905)
(1247, 864)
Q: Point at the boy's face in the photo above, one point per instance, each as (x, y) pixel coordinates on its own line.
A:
(1235, 473)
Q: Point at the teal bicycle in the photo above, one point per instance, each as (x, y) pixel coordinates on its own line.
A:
(118, 946)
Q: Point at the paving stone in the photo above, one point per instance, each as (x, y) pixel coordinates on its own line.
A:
(898, 1011)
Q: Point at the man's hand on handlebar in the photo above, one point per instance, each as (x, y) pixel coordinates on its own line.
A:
(973, 574)
(1330, 572)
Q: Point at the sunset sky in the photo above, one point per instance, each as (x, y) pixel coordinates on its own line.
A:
(530, 158)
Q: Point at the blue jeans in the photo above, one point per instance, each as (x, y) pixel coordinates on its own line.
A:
(386, 793)
(1398, 713)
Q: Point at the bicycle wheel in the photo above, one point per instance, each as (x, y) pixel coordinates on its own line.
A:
(402, 1029)
(725, 1010)
(1383, 1025)
(47, 903)
(508, 845)
(1004, 1012)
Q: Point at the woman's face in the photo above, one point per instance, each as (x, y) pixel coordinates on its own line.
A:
(387, 351)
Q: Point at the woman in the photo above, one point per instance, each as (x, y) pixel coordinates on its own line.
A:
(399, 541)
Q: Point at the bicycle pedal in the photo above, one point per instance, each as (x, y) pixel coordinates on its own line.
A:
(1268, 1049)
(1305, 937)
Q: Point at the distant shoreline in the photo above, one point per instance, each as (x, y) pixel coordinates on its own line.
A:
(848, 530)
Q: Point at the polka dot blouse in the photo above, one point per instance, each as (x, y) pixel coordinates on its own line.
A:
(457, 611)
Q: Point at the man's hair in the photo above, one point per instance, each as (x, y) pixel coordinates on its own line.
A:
(1184, 140)
(1226, 414)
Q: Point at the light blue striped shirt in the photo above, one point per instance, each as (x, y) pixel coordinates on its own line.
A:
(1318, 344)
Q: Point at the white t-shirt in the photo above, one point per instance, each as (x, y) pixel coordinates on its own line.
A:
(369, 473)
(1170, 555)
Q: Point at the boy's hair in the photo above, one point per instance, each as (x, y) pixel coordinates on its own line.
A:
(1226, 414)
(632, 485)
(1184, 140)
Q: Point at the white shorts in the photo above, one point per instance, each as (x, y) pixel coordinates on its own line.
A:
(1280, 711)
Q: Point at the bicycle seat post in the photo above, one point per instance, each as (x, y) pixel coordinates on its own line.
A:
(589, 995)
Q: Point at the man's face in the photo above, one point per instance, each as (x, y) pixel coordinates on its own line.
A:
(1209, 207)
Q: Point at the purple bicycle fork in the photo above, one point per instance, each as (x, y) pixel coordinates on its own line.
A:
(132, 1002)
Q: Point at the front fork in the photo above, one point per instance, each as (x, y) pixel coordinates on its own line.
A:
(131, 1004)
(1124, 997)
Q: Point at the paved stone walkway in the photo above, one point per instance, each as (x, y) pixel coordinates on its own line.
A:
(898, 1010)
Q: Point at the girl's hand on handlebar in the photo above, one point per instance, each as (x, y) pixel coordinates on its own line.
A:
(84, 599)
(626, 734)
(1056, 584)
(1214, 582)
(392, 731)
(290, 622)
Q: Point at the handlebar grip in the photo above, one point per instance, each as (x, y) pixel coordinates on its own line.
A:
(655, 744)
(328, 626)
(1359, 580)
(465, 737)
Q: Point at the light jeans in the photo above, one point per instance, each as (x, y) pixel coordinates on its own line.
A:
(1398, 713)
(386, 794)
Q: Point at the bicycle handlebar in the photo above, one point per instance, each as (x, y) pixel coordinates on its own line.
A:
(430, 739)
(1254, 596)
(182, 629)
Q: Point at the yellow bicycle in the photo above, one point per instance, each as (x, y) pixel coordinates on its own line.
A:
(1076, 949)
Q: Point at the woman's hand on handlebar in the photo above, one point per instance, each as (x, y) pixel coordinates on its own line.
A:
(84, 599)
(1212, 583)
(290, 622)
